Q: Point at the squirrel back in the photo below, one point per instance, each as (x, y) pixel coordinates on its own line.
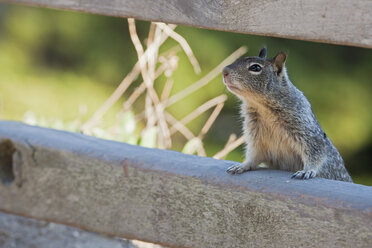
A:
(280, 128)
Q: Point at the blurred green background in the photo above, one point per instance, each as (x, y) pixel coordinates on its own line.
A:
(56, 63)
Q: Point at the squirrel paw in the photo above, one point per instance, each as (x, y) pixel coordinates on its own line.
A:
(238, 168)
(304, 174)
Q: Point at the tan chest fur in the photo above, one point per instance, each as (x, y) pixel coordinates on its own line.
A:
(272, 143)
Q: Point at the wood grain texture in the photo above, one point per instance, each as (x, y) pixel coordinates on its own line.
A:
(20, 232)
(174, 199)
(331, 21)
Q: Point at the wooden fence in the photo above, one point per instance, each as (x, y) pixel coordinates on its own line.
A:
(346, 22)
(180, 200)
(171, 198)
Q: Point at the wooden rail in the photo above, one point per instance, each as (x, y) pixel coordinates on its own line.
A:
(347, 22)
(171, 198)
(20, 232)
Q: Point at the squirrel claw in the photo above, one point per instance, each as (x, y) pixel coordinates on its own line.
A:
(237, 169)
(304, 174)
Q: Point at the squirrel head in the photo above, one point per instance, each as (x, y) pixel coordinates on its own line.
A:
(256, 75)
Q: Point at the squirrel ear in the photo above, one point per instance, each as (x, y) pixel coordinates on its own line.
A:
(279, 61)
(263, 53)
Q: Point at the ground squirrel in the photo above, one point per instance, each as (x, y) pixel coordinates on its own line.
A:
(280, 128)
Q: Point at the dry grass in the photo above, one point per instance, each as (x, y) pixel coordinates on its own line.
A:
(158, 123)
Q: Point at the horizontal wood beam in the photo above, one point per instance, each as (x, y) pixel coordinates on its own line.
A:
(331, 21)
(16, 231)
(171, 198)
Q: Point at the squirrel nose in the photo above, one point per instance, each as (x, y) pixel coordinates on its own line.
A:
(226, 71)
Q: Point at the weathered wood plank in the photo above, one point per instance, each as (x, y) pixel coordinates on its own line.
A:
(332, 21)
(171, 198)
(20, 232)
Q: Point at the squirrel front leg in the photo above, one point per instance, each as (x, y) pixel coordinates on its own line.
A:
(242, 167)
(313, 158)
(307, 173)
(251, 161)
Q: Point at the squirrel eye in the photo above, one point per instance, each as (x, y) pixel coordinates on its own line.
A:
(255, 68)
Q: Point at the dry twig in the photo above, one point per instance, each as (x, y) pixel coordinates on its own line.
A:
(228, 148)
(201, 109)
(119, 91)
(208, 124)
(183, 44)
(179, 126)
(207, 78)
(148, 74)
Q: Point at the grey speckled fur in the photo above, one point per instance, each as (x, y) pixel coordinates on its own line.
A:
(280, 127)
